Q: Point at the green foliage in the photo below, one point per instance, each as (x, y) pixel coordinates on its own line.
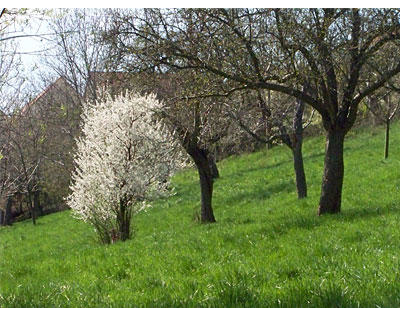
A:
(267, 249)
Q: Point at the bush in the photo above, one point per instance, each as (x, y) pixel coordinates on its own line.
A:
(124, 159)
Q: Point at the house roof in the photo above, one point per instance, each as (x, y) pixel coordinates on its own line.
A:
(117, 82)
(42, 94)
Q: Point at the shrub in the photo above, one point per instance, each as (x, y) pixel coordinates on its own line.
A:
(124, 160)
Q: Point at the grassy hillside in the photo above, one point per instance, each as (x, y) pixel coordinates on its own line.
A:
(266, 249)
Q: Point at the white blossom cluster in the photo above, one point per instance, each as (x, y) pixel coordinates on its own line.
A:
(124, 157)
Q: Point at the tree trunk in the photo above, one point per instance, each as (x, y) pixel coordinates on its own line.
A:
(301, 184)
(7, 213)
(332, 181)
(31, 208)
(296, 147)
(387, 139)
(36, 202)
(295, 144)
(213, 167)
(201, 159)
(267, 114)
(124, 222)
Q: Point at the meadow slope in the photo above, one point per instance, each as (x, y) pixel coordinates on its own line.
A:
(267, 249)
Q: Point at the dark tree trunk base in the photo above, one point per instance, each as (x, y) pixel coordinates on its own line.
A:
(201, 159)
(332, 181)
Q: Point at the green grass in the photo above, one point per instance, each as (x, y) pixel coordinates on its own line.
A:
(267, 249)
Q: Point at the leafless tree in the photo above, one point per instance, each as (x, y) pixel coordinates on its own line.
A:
(384, 108)
(277, 50)
(198, 124)
(280, 121)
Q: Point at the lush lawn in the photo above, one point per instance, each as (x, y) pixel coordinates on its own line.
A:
(266, 249)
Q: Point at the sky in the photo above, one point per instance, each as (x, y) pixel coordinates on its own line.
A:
(32, 47)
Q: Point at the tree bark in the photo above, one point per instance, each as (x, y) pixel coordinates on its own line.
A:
(301, 184)
(265, 106)
(36, 202)
(296, 147)
(7, 213)
(332, 181)
(124, 222)
(213, 167)
(201, 159)
(31, 208)
(387, 138)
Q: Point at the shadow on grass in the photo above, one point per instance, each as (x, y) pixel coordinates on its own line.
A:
(314, 156)
(284, 225)
(242, 172)
(259, 193)
(337, 295)
(358, 213)
(192, 189)
(298, 221)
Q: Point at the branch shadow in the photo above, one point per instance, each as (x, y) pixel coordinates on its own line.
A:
(348, 215)
(259, 193)
(353, 214)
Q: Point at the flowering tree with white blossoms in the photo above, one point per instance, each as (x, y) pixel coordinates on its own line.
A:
(124, 159)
